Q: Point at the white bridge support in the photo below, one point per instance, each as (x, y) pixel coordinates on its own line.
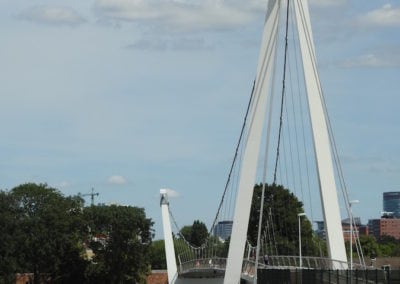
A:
(321, 140)
(265, 68)
(169, 242)
(322, 145)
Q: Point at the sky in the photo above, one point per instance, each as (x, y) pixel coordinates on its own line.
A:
(131, 96)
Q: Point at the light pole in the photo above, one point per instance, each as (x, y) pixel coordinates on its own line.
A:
(351, 232)
(300, 260)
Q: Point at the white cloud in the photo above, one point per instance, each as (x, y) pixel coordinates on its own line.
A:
(52, 15)
(373, 164)
(162, 44)
(116, 179)
(373, 60)
(386, 16)
(328, 2)
(181, 15)
(172, 193)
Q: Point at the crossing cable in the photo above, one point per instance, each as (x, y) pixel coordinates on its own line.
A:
(282, 101)
(276, 162)
(302, 120)
(234, 157)
(283, 92)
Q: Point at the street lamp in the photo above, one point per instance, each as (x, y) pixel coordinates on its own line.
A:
(299, 216)
(351, 232)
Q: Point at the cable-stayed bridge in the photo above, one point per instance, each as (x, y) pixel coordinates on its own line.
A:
(286, 145)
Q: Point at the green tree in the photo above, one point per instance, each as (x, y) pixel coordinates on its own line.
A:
(389, 246)
(186, 232)
(369, 246)
(221, 248)
(48, 235)
(8, 232)
(120, 239)
(281, 207)
(196, 234)
(157, 255)
(199, 233)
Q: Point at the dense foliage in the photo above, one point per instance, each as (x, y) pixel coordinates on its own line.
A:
(386, 246)
(60, 241)
(157, 255)
(47, 234)
(120, 240)
(280, 214)
(281, 207)
(195, 234)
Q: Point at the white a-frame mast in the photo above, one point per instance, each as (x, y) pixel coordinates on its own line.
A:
(250, 157)
(321, 140)
(168, 239)
(322, 146)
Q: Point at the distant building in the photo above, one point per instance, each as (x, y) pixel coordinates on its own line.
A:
(358, 230)
(391, 203)
(223, 229)
(384, 227)
(320, 231)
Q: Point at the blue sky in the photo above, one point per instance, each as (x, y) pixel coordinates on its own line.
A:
(130, 96)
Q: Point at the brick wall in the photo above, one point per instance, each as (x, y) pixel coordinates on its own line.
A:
(158, 277)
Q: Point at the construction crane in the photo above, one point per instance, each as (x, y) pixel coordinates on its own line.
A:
(92, 195)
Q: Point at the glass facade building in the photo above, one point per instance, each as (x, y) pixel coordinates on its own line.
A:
(223, 229)
(391, 203)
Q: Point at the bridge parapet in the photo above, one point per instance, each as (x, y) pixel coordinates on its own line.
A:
(214, 267)
(203, 267)
(308, 262)
(202, 263)
(281, 261)
(293, 263)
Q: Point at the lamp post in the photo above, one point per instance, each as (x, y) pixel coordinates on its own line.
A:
(300, 257)
(351, 232)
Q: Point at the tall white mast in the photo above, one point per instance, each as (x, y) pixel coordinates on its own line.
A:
(321, 140)
(251, 153)
(169, 242)
(322, 146)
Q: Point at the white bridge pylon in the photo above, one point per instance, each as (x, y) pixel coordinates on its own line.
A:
(322, 147)
(168, 239)
(321, 142)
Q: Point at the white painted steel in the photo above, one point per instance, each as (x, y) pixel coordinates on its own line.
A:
(329, 199)
(336, 249)
(252, 147)
(169, 242)
(300, 255)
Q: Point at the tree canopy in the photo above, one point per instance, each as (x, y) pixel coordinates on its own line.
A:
(157, 255)
(49, 234)
(280, 215)
(118, 233)
(195, 234)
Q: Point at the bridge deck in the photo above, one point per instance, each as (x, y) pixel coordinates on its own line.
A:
(215, 267)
